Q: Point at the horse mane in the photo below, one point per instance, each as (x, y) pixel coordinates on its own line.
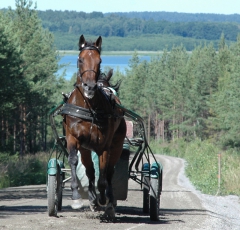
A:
(103, 77)
(116, 86)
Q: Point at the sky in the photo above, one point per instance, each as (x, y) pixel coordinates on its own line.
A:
(105, 6)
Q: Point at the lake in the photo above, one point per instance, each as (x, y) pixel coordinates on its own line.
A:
(115, 62)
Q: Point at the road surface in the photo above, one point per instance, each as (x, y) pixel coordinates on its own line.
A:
(181, 208)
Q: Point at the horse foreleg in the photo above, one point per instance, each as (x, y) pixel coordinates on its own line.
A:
(102, 182)
(109, 210)
(73, 161)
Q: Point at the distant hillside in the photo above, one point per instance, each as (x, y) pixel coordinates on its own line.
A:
(140, 30)
(179, 17)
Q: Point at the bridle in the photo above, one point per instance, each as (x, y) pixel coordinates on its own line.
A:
(88, 70)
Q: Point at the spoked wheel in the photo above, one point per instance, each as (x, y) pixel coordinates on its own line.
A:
(54, 193)
(155, 191)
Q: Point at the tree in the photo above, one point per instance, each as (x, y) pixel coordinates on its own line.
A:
(13, 83)
(39, 63)
(226, 100)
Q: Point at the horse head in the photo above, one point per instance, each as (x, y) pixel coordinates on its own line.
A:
(89, 65)
(104, 80)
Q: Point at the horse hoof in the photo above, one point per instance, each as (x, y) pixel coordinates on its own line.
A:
(77, 204)
(109, 212)
(103, 205)
(94, 207)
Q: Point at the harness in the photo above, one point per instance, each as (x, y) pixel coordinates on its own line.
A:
(89, 114)
(95, 116)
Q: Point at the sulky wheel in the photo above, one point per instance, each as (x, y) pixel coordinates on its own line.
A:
(51, 193)
(59, 191)
(145, 184)
(155, 190)
(54, 193)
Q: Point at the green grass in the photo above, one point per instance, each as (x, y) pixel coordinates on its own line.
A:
(203, 165)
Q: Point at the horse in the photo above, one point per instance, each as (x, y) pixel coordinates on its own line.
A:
(92, 123)
(104, 81)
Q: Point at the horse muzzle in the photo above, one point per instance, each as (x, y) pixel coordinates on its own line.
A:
(89, 89)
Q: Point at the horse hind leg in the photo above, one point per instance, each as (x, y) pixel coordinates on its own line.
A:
(76, 197)
(88, 159)
(109, 213)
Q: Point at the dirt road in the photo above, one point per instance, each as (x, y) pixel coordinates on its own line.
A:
(26, 207)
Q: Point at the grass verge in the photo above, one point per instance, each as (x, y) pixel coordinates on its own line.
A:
(210, 169)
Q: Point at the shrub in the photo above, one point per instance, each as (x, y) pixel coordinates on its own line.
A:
(29, 170)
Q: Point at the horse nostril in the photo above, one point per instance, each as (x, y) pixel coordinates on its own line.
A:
(85, 86)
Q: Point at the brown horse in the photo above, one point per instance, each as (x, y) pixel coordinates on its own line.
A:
(93, 123)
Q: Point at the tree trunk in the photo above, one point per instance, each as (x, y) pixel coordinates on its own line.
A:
(2, 132)
(149, 124)
(14, 137)
(25, 148)
(45, 133)
(21, 130)
(163, 130)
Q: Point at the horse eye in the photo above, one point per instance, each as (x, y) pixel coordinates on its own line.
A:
(80, 60)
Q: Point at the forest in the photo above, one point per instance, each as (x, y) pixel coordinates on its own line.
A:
(68, 25)
(182, 96)
(149, 28)
(200, 82)
(180, 17)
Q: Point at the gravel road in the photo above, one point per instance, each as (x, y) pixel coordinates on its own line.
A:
(182, 207)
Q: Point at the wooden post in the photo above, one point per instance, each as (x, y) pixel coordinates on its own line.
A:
(219, 171)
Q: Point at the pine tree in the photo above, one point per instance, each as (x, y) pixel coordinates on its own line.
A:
(203, 72)
(13, 83)
(39, 63)
(226, 101)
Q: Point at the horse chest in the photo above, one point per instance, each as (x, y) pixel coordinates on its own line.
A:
(93, 136)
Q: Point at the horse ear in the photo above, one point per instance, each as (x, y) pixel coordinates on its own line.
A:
(99, 42)
(109, 75)
(82, 42)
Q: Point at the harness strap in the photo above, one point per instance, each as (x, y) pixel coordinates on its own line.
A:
(90, 48)
(76, 111)
(86, 114)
